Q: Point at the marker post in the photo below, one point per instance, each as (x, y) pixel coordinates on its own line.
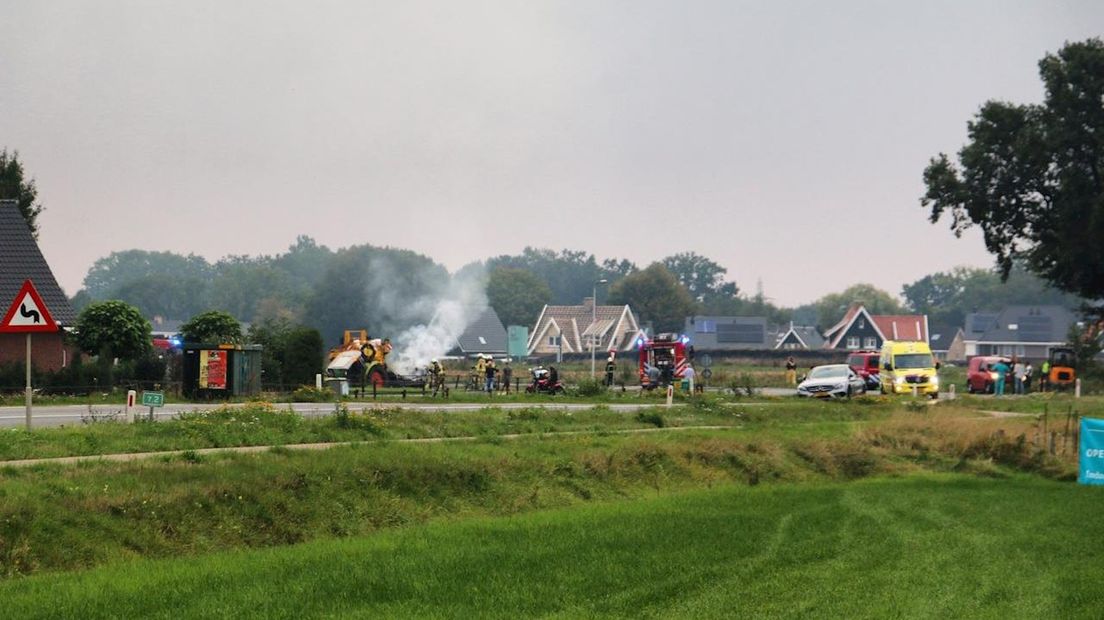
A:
(28, 380)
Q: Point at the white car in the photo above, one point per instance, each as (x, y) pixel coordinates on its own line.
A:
(831, 381)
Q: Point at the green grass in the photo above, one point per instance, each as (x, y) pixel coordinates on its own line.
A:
(56, 517)
(930, 546)
(258, 424)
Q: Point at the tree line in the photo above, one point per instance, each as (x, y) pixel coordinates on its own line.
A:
(1031, 177)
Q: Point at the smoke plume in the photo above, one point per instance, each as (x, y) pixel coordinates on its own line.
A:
(456, 307)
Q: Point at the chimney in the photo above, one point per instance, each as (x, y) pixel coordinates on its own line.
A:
(588, 303)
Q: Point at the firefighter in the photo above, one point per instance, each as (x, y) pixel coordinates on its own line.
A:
(436, 375)
(611, 366)
(478, 371)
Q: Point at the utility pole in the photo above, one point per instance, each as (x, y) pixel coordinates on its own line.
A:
(593, 320)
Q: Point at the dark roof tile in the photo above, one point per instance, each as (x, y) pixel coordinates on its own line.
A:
(21, 259)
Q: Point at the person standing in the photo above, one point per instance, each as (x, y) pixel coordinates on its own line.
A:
(1044, 376)
(507, 376)
(688, 376)
(490, 370)
(611, 366)
(1028, 371)
(791, 371)
(1002, 371)
(437, 376)
(1018, 375)
(478, 371)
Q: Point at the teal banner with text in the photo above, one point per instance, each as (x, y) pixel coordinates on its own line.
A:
(1091, 456)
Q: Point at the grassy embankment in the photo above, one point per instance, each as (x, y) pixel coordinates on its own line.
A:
(262, 424)
(926, 546)
(59, 518)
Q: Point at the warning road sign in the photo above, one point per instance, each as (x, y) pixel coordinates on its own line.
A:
(28, 313)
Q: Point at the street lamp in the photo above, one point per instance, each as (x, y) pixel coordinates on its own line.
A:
(593, 320)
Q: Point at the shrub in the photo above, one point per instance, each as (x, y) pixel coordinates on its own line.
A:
(589, 387)
(311, 394)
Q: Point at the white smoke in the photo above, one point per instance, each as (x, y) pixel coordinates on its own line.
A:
(459, 305)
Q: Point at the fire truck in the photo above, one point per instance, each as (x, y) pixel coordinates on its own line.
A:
(663, 359)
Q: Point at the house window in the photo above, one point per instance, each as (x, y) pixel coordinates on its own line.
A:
(482, 340)
(853, 342)
(871, 343)
(554, 341)
(705, 327)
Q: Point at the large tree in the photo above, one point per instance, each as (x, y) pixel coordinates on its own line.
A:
(702, 277)
(213, 326)
(831, 307)
(1032, 176)
(113, 329)
(108, 274)
(947, 297)
(13, 186)
(655, 295)
(517, 295)
(569, 274)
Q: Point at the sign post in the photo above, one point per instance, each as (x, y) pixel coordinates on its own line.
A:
(151, 400)
(27, 315)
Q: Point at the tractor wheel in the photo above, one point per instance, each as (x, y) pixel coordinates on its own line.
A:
(376, 378)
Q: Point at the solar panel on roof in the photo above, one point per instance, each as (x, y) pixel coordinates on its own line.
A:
(1034, 328)
(740, 333)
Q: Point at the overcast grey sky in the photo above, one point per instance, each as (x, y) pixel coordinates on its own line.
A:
(784, 140)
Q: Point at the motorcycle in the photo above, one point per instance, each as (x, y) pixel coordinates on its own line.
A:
(541, 383)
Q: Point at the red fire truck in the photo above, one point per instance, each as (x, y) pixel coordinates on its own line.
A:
(662, 359)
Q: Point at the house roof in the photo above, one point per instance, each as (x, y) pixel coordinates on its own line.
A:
(941, 336)
(808, 336)
(729, 331)
(888, 326)
(575, 321)
(977, 323)
(902, 326)
(854, 309)
(21, 259)
(1049, 324)
(484, 335)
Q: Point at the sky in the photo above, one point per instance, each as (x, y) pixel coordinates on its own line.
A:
(784, 140)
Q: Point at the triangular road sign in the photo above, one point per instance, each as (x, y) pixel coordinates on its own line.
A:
(28, 313)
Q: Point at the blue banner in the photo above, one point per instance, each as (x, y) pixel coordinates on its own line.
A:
(1092, 452)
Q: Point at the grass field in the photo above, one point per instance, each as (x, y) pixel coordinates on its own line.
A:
(717, 507)
(923, 546)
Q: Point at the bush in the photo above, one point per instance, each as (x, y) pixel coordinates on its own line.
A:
(589, 387)
(651, 417)
(311, 394)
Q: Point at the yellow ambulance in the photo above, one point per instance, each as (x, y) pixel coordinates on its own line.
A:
(908, 365)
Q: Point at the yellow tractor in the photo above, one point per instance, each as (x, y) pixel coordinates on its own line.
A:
(360, 357)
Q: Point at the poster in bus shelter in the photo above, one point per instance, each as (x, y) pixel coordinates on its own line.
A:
(212, 370)
(1091, 461)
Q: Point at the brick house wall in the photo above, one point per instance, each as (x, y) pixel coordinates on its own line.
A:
(48, 351)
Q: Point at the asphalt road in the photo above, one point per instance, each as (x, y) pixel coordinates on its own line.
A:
(59, 415)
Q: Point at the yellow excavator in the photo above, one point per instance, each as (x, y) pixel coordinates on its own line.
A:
(361, 357)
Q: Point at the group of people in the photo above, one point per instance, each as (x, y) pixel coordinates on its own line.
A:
(1021, 373)
(485, 371)
(483, 375)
